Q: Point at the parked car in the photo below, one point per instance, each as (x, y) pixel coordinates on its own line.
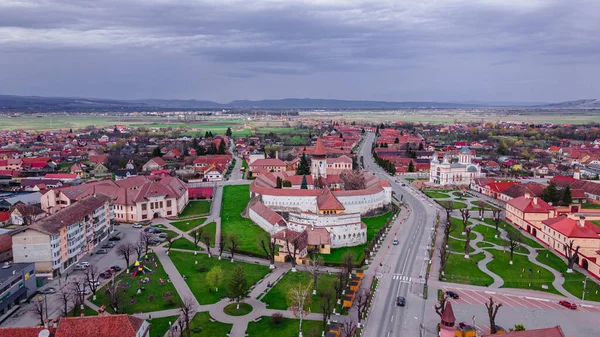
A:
(95, 283)
(568, 304)
(106, 246)
(105, 274)
(395, 243)
(452, 294)
(80, 267)
(114, 238)
(137, 225)
(163, 235)
(102, 251)
(85, 291)
(116, 268)
(403, 184)
(155, 230)
(84, 263)
(147, 229)
(48, 290)
(400, 301)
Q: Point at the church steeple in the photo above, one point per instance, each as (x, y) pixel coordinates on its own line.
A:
(447, 328)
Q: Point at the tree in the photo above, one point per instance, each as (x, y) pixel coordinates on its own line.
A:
(65, 297)
(291, 251)
(514, 241)
(214, 277)
(327, 304)
(492, 310)
(206, 238)
(466, 215)
(314, 268)
(348, 263)
(234, 242)
(38, 139)
(268, 247)
(339, 285)
(169, 239)
(277, 318)
(468, 241)
(550, 194)
(124, 250)
(397, 140)
(444, 255)
(502, 148)
(287, 183)
(496, 214)
(571, 255)
(197, 234)
(238, 286)
(221, 245)
(92, 276)
(304, 184)
(79, 287)
(518, 327)
(567, 199)
(362, 300)
(39, 309)
(222, 148)
(228, 133)
(481, 209)
(188, 308)
(156, 152)
(138, 248)
(439, 308)
(411, 167)
(299, 299)
(354, 180)
(303, 166)
(278, 183)
(348, 329)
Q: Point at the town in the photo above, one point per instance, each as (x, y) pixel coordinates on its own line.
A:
(294, 225)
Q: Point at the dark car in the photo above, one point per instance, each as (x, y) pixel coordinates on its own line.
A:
(116, 268)
(106, 246)
(568, 304)
(400, 301)
(452, 294)
(114, 238)
(104, 275)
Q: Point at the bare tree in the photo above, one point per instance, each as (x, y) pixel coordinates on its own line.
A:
(444, 255)
(449, 207)
(339, 285)
(327, 304)
(234, 242)
(466, 215)
(492, 310)
(197, 234)
(353, 180)
(65, 294)
(349, 328)
(221, 245)
(188, 309)
(115, 295)
(124, 250)
(268, 247)
(291, 252)
(91, 279)
(468, 241)
(514, 241)
(314, 267)
(169, 239)
(439, 308)
(481, 209)
(497, 213)
(39, 309)
(79, 290)
(572, 255)
(138, 248)
(349, 263)
(299, 298)
(362, 300)
(448, 229)
(145, 237)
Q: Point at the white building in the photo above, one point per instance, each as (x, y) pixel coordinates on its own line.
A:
(462, 172)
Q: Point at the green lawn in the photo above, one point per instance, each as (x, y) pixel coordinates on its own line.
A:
(458, 245)
(374, 224)
(337, 255)
(508, 227)
(461, 270)
(277, 296)
(288, 328)
(486, 206)
(210, 228)
(437, 195)
(596, 222)
(160, 326)
(513, 275)
(196, 208)
(488, 235)
(183, 243)
(232, 310)
(187, 225)
(455, 204)
(589, 205)
(142, 303)
(196, 273)
(202, 326)
(482, 244)
(235, 200)
(573, 281)
(457, 224)
(87, 311)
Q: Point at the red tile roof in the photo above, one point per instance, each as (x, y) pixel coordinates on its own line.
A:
(318, 236)
(267, 213)
(448, 315)
(4, 216)
(5, 242)
(546, 332)
(60, 176)
(268, 162)
(530, 205)
(319, 149)
(25, 332)
(95, 326)
(571, 228)
(327, 201)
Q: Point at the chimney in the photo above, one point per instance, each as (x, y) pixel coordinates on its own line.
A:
(535, 201)
(527, 195)
(276, 154)
(581, 221)
(45, 324)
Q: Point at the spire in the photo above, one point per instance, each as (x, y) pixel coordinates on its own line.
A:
(448, 318)
(319, 148)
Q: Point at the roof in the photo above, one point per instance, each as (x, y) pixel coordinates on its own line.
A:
(29, 210)
(500, 186)
(4, 216)
(465, 150)
(266, 213)
(95, 326)
(448, 315)
(14, 268)
(268, 162)
(546, 332)
(327, 201)
(318, 236)
(69, 215)
(570, 228)
(299, 239)
(60, 176)
(25, 331)
(530, 205)
(319, 149)
(158, 161)
(5, 242)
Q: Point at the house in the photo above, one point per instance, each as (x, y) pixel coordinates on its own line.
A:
(23, 214)
(267, 165)
(97, 159)
(528, 213)
(56, 242)
(99, 171)
(545, 332)
(297, 242)
(17, 283)
(64, 177)
(125, 173)
(154, 164)
(172, 154)
(5, 249)
(119, 325)
(214, 172)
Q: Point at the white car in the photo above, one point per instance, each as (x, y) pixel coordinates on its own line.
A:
(85, 264)
(137, 225)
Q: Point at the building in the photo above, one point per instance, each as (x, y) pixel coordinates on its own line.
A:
(267, 165)
(17, 283)
(528, 213)
(460, 173)
(154, 164)
(135, 199)
(23, 214)
(5, 248)
(63, 238)
(545, 332)
(87, 326)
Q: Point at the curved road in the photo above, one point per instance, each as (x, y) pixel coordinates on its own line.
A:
(402, 271)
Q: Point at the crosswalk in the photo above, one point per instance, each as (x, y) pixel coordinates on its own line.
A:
(402, 278)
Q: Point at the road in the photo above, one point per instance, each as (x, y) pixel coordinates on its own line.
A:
(403, 269)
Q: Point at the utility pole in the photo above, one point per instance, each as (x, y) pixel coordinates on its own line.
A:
(583, 295)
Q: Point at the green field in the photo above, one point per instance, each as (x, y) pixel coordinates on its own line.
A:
(196, 273)
(160, 326)
(466, 271)
(510, 228)
(232, 309)
(277, 296)
(488, 235)
(374, 224)
(183, 243)
(210, 228)
(288, 328)
(196, 208)
(235, 200)
(202, 326)
(513, 275)
(455, 204)
(187, 225)
(437, 195)
(337, 255)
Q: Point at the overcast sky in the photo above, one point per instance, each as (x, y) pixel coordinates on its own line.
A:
(443, 50)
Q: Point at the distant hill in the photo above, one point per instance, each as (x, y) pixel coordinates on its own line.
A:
(310, 103)
(577, 104)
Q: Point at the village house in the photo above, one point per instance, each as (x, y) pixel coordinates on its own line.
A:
(154, 164)
(22, 214)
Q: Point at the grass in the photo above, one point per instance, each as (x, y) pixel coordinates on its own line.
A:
(482, 244)
(458, 194)
(183, 243)
(456, 245)
(202, 326)
(589, 205)
(337, 255)
(596, 222)
(437, 195)
(466, 271)
(289, 327)
(160, 326)
(510, 228)
(488, 235)
(187, 225)
(455, 204)
(196, 208)
(196, 274)
(210, 228)
(235, 200)
(87, 311)
(232, 309)
(573, 281)
(514, 277)
(142, 303)
(277, 296)
(457, 224)
(374, 224)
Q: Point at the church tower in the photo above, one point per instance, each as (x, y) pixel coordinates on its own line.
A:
(447, 328)
(465, 156)
(319, 162)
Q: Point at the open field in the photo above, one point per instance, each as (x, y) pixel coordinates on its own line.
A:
(521, 273)
(277, 296)
(160, 326)
(287, 328)
(203, 326)
(196, 208)
(466, 271)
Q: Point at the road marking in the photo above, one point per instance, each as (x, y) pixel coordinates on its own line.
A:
(392, 319)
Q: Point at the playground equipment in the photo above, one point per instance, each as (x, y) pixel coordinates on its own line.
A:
(139, 268)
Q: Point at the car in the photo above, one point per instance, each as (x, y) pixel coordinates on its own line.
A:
(155, 230)
(400, 301)
(85, 291)
(95, 283)
(80, 267)
(403, 184)
(162, 235)
(395, 243)
(84, 263)
(114, 238)
(116, 268)
(568, 304)
(48, 290)
(102, 251)
(147, 229)
(452, 294)
(137, 225)
(106, 246)
(105, 274)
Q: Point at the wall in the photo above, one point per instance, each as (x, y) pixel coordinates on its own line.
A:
(33, 246)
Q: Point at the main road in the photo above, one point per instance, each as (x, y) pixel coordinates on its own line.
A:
(403, 267)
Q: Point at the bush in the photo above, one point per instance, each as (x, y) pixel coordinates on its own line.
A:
(277, 318)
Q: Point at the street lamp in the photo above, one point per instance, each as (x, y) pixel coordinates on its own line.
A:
(583, 295)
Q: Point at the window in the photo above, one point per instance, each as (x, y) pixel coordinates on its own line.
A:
(168, 203)
(144, 206)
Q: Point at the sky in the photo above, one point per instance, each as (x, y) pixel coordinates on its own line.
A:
(402, 50)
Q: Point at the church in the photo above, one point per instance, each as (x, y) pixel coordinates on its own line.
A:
(448, 173)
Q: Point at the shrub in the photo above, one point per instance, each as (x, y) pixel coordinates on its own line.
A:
(277, 318)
